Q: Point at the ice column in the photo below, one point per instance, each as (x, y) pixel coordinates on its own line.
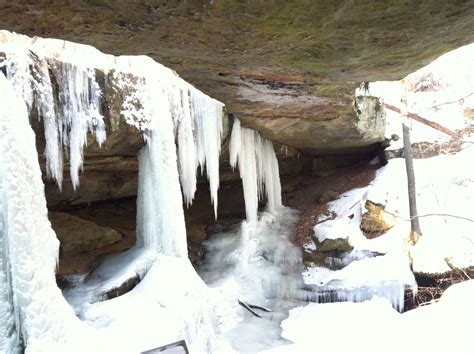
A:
(29, 296)
(258, 168)
(160, 216)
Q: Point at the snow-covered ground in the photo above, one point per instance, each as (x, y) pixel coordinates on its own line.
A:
(377, 270)
(445, 192)
(374, 326)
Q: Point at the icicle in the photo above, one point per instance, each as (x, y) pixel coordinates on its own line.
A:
(78, 111)
(258, 168)
(207, 115)
(52, 132)
(78, 114)
(96, 120)
(184, 129)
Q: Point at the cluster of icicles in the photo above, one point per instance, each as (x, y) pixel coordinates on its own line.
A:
(69, 100)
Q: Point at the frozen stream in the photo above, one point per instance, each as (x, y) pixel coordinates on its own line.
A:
(257, 264)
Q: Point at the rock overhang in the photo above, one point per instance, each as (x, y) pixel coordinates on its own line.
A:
(274, 64)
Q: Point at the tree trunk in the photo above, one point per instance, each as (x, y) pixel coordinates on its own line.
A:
(415, 232)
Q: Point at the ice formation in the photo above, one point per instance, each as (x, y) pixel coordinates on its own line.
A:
(157, 100)
(254, 261)
(158, 103)
(258, 167)
(374, 326)
(33, 309)
(68, 114)
(160, 217)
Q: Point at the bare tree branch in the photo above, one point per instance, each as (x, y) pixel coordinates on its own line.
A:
(424, 121)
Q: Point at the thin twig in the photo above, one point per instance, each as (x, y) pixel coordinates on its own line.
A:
(455, 269)
(435, 214)
(449, 215)
(463, 98)
(433, 301)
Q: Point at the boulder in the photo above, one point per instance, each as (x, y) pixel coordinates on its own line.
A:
(78, 236)
(376, 221)
(333, 244)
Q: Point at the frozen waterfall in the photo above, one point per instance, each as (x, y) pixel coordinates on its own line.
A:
(47, 79)
(66, 95)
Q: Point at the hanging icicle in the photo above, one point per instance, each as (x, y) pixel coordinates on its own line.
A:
(258, 168)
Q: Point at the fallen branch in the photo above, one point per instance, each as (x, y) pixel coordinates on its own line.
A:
(247, 307)
(428, 302)
(259, 308)
(424, 121)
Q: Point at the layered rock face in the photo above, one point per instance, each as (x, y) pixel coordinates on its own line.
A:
(78, 236)
(288, 69)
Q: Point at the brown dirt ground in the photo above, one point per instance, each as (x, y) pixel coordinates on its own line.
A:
(306, 192)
